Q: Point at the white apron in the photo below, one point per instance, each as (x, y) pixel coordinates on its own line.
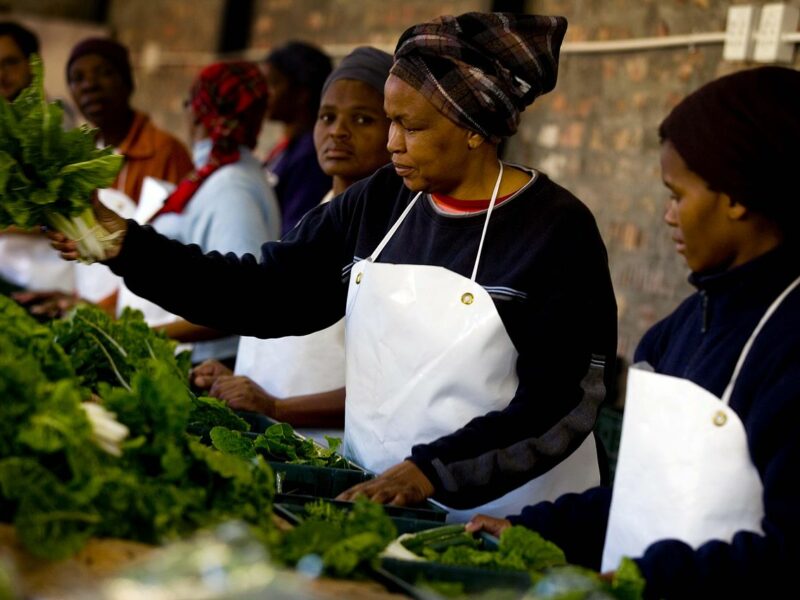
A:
(295, 366)
(426, 353)
(684, 469)
(28, 261)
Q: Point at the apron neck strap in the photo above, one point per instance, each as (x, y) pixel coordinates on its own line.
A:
(726, 396)
(374, 256)
(486, 222)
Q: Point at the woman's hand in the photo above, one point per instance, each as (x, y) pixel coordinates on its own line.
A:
(204, 375)
(115, 225)
(242, 393)
(488, 524)
(51, 305)
(402, 484)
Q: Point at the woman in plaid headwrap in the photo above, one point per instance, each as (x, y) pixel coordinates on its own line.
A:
(480, 318)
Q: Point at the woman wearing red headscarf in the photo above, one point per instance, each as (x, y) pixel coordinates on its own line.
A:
(225, 204)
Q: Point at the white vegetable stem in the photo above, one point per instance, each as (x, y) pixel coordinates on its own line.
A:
(92, 238)
(108, 432)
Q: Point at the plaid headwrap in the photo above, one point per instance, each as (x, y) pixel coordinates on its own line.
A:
(481, 70)
(230, 100)
(741, 134)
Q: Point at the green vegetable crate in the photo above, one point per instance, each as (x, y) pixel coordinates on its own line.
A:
(407, 519)
(426, 580)
(432, 581)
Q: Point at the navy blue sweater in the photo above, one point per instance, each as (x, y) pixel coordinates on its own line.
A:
(543, 264)
(701, 341)
(301, 184)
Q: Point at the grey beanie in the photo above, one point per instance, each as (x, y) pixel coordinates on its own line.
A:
(366, 64)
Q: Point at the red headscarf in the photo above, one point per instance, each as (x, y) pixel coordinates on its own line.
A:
(229, 100)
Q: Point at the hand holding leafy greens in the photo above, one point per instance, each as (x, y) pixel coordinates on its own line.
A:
(48, 175)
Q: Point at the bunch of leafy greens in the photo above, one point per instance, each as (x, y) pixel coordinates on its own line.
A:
(35, 338)
(208, 413)
(47, 175)
(280, 443)
(107, 350)
(58, 487)
(519, 549)
(110, 351)
(577, 583)
(345, 539)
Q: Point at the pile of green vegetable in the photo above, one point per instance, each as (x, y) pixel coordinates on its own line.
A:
(124, 468)
(47, 175)
(519, 549)
(280, 443)
(345, 540)
(106, 353)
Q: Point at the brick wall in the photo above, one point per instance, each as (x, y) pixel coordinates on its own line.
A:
(335, 22)
(596, 135)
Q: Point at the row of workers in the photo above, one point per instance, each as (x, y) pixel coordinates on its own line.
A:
(481, 323)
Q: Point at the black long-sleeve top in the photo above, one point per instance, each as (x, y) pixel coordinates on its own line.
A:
(543, 263)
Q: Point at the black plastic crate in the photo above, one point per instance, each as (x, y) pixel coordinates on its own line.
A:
(409, 577)
(321, 482)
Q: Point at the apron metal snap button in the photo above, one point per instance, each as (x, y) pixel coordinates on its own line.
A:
(720, 418)
(358, 278)
(467, 298)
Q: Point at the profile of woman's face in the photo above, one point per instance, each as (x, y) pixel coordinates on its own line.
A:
(698, 216)
(428, 150)
(15, 71)
(351, 131)
(280, 97)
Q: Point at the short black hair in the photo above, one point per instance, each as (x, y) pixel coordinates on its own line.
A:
(27, 41)
(304, 65)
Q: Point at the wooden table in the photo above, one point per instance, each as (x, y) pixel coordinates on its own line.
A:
(50, 579)
(101, 558)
